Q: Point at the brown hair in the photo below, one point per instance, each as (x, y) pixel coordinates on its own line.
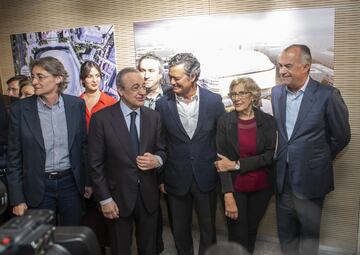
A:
(19, 78)
(86, 68)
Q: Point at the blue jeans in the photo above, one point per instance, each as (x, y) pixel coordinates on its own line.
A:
(62, 196)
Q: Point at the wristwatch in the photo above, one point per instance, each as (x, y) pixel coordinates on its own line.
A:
(237, 165)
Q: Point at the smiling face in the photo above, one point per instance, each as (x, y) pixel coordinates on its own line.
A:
(293, 72)
(44, 83)
(241, 98)
(92, 80)
(133, 91)
(182, 84)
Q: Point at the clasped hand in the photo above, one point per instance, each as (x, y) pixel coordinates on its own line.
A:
(224, 164)
(147, 162)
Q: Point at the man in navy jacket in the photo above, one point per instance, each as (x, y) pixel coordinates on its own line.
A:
(189, 116)
(313, 124)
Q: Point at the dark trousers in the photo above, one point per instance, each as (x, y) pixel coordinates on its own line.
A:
(251, 208)
(181, 208)
(62, 196)
(121, 231)
(159, 239)
(7, 214)
(298, 223)
(94, 219)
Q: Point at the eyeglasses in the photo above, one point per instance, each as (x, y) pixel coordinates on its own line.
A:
(39, 77)
(241, 94)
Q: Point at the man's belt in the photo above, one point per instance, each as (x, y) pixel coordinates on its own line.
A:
(55, 175)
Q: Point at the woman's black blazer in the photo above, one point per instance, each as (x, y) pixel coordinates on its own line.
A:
(228, 145)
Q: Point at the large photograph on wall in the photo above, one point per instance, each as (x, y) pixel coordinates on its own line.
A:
(72, 47)
(248, 44)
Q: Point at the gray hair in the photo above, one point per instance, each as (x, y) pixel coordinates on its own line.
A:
(119, 77)
(54, 67)
(305, 52)
(191, 64)
(152, 56)
(250, 86)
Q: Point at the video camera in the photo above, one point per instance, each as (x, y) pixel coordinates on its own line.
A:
(35, 234)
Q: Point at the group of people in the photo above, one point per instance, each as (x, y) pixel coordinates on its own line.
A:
(177, 139)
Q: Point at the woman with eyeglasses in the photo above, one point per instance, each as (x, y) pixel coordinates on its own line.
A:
(95, 100)
(246, 139)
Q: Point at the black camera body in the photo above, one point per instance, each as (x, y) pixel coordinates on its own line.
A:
(34, 233)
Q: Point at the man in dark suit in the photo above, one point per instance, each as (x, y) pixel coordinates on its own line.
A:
(190, 117)
(126, 150)
(47, 146)
(313, 123)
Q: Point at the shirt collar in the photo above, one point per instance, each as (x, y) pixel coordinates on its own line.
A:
(126, 110)
(301, 90)
(59, 103)
(193, 98)
(101, 98)
(159, 94)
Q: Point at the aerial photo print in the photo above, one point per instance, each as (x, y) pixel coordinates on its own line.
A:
(72, 47)
(246, 44)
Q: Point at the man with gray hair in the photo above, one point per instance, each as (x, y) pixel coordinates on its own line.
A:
(126, 151)
(189, 115)
(313, 124)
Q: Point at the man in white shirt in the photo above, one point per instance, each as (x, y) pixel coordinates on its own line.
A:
(189, 115)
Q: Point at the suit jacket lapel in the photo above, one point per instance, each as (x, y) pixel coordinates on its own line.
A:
(121, 131)
(233, 132)
(31, 117)
(175, 113)
(305, 107)
(71, 119)
(282, 112)
(144, 119)
(202, 110)
(260, 139)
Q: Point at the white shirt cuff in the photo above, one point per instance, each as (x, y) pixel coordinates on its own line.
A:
(106, 201)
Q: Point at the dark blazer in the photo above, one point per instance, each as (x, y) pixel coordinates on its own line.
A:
(26, 150)
(228, 145)
(321, 131)
(190, 158)
(112, 160)
(4, 126)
